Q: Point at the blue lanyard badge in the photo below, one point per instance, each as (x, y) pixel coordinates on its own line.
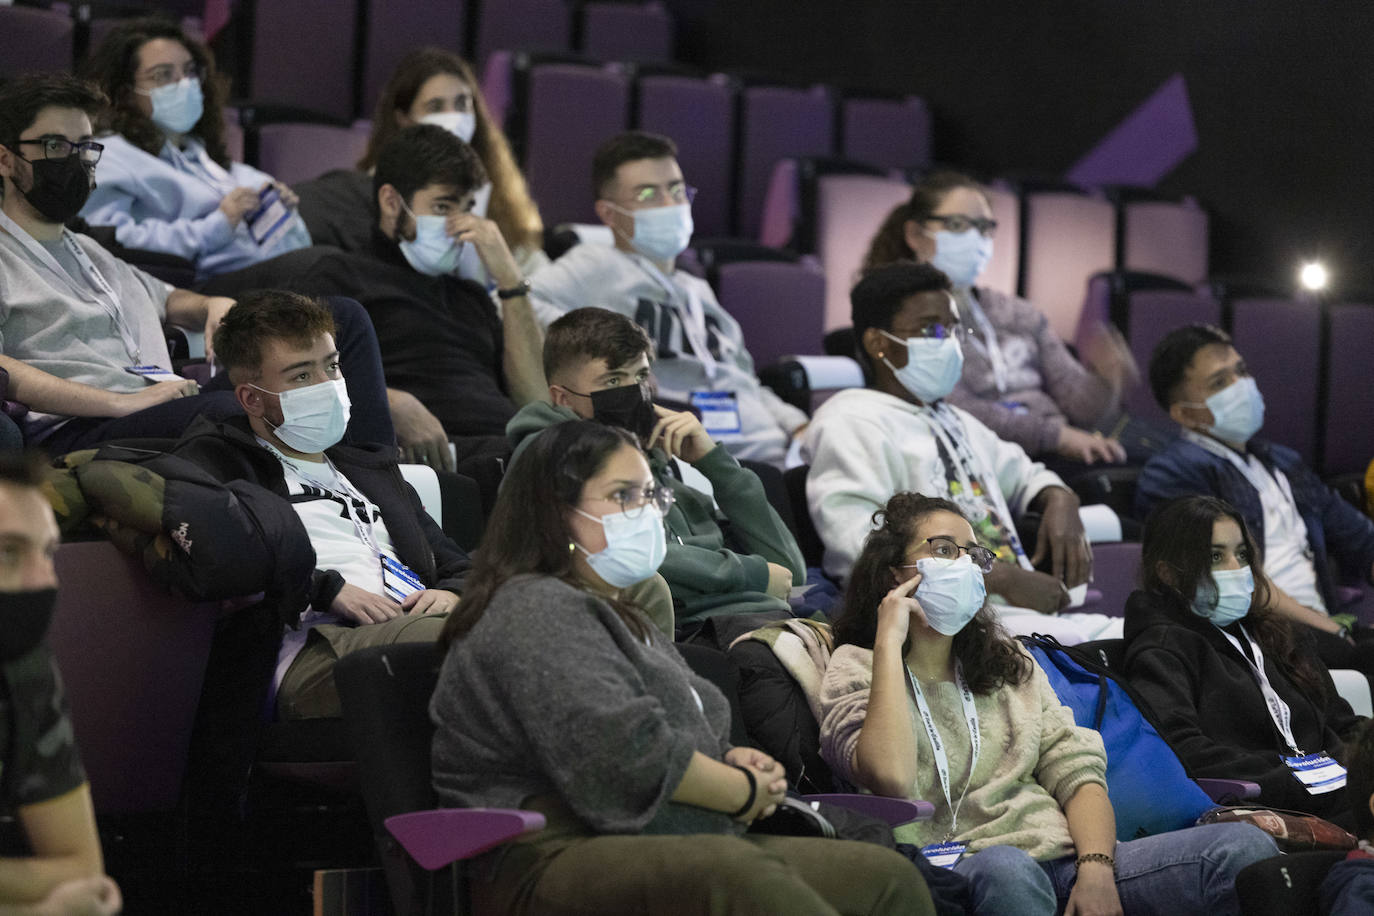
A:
(719, 412)
(398, 579)
(943, 855)
(269, 222)
(1318, 773)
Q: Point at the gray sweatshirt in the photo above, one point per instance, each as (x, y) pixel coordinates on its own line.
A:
(551, 693)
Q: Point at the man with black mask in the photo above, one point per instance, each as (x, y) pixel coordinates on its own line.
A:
(44, 787)
(598, 366)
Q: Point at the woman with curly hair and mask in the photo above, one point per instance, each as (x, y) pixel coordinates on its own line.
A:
(165, 181)
(926, 696)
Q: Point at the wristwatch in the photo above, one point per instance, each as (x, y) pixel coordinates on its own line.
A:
(515, 292)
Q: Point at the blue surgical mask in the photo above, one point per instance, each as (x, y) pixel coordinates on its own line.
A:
(951, 592)
(433, 251)
(315, 417)
(177, 107)
(1237, 410)
(661, 233)
(635, 546)
(1226, 597)
(961, 256)
(933, 366)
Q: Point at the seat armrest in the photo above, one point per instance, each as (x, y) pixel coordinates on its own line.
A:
(441, 836)
(896, 811)
(1220, 789)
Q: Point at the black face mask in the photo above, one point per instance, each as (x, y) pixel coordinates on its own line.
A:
(630, 407)
(60, 187)
(24, 619)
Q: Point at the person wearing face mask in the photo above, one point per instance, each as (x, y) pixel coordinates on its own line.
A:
(1019, 379)
(166, 182)
(385, 571)
(1197, 376)
(643, 197)
(599, 366)
(430, 86)
(645, 800)
(926, 696)
(1233, 688)
(899, 434)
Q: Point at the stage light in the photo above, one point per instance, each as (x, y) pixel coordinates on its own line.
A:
(1313, 276)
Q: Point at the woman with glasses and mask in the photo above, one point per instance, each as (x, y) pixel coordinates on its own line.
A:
(1233, 688)
(166, 182)
(926, 696)
(1019, 378)
(558, 696)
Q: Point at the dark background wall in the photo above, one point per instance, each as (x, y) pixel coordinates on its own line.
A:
(1282, 93)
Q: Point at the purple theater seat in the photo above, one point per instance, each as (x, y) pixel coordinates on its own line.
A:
(34, 39)
(395, 28)
(779, 305)
(1149, 315)
(1349, 445)
(292, 152)
(571, 109)
(777, 122)
(523, 25)
(133, 659)
(1003, 272)
(1165, 237)
(699, 114)
(782, 205)
(303, 54)
(1068, 236)
(498, 84)
(1280, 340)
(627, 31)
(849, 210)
(891, 133)
(1116, 573)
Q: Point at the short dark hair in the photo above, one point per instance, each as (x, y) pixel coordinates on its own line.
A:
(1359, 778)
(264, 315)
(879, 295)
(1174, 354)
(593, 333)
(627, 147)
(23, 98)
(425, 154)
(23, 467)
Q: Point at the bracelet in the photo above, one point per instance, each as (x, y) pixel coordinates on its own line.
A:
(753, 792)
(1100, 857)
(515, 292)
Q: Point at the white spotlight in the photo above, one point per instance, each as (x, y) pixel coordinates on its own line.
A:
(1313, 276)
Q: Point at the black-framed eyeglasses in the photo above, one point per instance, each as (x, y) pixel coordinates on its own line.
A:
(946, 548)
(61, 148)
(958, 222)
(166, 74)
(632, 500)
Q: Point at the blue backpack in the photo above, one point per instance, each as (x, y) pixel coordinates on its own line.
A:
(1149, 789)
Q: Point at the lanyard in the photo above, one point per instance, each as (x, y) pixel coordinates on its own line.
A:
(950, 431)
(348, 494)
(988, 344)
(1255, 473)
(1278, 709)
(691, 312)
(937, 747)
(98, 287)
(196, 162)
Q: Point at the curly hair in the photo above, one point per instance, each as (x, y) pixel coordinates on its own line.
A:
(889, 244)
(989, 657)
(113, 66)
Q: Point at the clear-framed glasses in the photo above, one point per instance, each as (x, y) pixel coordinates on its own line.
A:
(656, 196)
(166, 74)
(937, 331)
(958, 222)
(946, 548)
(61, 148)
(632, 500)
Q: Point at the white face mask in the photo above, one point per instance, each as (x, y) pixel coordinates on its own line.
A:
(462, 124)
(951, 592)
(1237, 410)
(635, 547)
(314, 417)
(177, 107)
(933, 366)
(661, 233)
(1227, 597)
(961, 256)
(433, 252)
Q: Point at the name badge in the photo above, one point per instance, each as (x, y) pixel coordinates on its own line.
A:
(943, 855)
(398, 579)
(269, 222)
(1318, 773)
(719, 412)
(154, 373)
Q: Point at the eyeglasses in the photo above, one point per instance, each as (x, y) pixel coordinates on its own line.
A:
(61, 148)
(958, 222)
(937, 331)
(632, 500)
(655, 196)
(946, 548)
(166, 74)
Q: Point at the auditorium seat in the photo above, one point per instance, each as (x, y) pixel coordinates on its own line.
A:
(396, 28)
(523, 25)
(1067, 235)
(1280, 340)
(777, 122)
(34, 39)
(848, 210)
(1349, 394)
(893, 133)
(294, 152)
(1003, 272)
(779, 305)
(698, 113)
(1162, 235)
(627, 31)
(281, 71)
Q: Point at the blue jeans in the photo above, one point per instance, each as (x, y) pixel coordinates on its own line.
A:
(1185, 871)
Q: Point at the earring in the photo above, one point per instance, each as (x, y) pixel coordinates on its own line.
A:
(572, 548)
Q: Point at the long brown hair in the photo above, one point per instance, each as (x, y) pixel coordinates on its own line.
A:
(511, 207)
(1176, 558)
(889, 244)
(528, 532)
(989, 657)
(113, 66)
